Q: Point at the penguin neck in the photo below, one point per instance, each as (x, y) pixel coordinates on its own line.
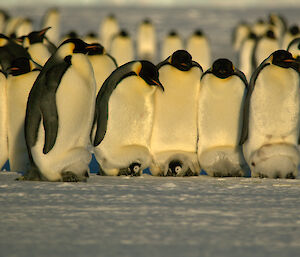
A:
(83, 66)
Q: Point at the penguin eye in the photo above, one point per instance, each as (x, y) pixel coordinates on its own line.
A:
(177, 169)
(136, 168)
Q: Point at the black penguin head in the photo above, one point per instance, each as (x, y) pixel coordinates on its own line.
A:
(270, 34)
(37, 36)
(19, 66)
(149, 73)
(252, 35)
(198, 33)
(123, 33)
(76, 45)
(172, 33)
(294, 30)
(134, 168)
(95, 49)
(146, 21)
(222, 68)
(175, 168)
(182, 60)
(284, 59)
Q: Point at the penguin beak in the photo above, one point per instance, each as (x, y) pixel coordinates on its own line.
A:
(290, 60)
(43, 31)
(158, 84)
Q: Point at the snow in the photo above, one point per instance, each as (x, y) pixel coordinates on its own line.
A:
(152, 216)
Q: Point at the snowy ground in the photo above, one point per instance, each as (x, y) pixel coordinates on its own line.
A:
(149, 216)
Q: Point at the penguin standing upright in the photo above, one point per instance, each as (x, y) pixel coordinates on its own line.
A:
(52, 19)
(122, 48)
(123, 119)
(292, 33)
(222, 94)
(174, 133)
(260, 27)
(171, 43)
(146, 41)
(21, 76)
(3, 121)
(265, 45)
(198, 46)
(38, 50)
(240, 33)
(108, 28)
(103, 64)
(59, 115)
(294, 48)
(271, 118)
(245, 55)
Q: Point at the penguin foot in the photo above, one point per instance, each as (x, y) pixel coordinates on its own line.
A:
(69, 176)
(31, 175)
(189, 173)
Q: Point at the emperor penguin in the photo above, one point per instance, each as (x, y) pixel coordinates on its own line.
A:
(198, 46)
(121, 48)
(21, 76)
(103, 64)
(221, 98)
(146, 41)
(52, 19)
(123, 119)
(12, 24)
(108, 28)
(271, 118)
(264, 46)
(292, 33)
(239, 34)
(24, 27)
(174, 133)
(170, 44)
(3, 120)
(278, 24)
(59, 116)
(294, 48)
(260, 27)
(39, 51)
(246, 53)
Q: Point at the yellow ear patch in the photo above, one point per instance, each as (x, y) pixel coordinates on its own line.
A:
(137, 68)
(2, 41)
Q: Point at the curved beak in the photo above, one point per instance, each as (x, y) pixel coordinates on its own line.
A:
(157, 83)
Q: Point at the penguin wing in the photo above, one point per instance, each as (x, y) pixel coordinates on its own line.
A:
(195, 64)
(101, 110)
(165, 62)
(242, 76)
(113, 59)
(48, 104)
(244, 134)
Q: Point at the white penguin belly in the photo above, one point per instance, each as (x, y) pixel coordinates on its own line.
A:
(75, 100)
(3, 121)
(18, 88)
(39, 53)
(200, 50)
(129, 125)
(219, 125)
(273, 122)
(175, 117)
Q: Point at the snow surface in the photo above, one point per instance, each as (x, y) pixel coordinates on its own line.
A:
(152, 216)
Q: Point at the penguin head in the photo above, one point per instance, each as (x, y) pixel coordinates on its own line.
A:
(72, 46)
(146, 21)
(294, 30)
(198, 33)
(95, 49)
(222, 68)
(149, 73)
(134, 168)
(172, 33)
(270, 34)
(182, 60)
(175, 168)
(35, 37)
(19, 66)
(123, 33)
(283, 59)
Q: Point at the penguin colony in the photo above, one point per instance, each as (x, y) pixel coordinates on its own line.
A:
(66, 97)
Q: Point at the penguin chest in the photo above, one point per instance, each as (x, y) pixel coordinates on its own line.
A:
(274, 109)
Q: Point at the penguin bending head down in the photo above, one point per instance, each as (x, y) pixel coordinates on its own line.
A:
(271, 127)
(59, 115)
(221, 98)
(124, 117)
(174, 135)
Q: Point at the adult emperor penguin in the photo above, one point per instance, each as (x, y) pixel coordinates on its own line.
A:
(292, 33)
(246, 53)
(102, 63)
(198, 46)
(21, 76)
(264, 46)
(239, 34)
(123, 119)
(108, 28)
(52, 19)
(260, 27)
(271, 118)
(174, 134)
(121, 48)
(294, 48)
(3, 120)
(39, 51)
(171, 43)
(146, 41)
(222, 93)
(59, 115)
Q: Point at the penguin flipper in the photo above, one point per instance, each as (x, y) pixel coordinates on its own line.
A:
(48, 104)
